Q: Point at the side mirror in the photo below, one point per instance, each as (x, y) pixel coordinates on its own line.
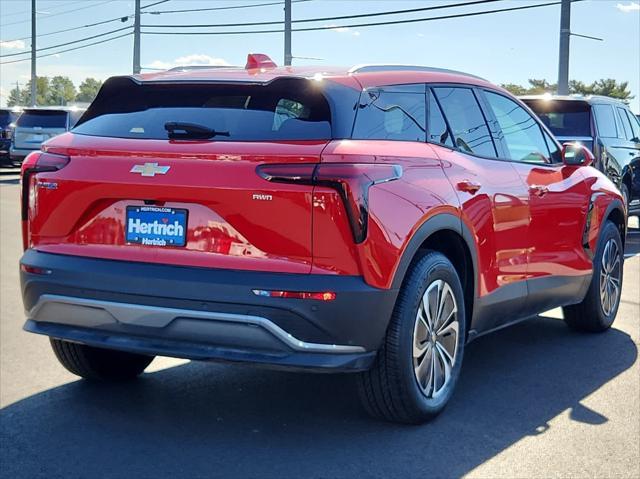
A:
(576, 154)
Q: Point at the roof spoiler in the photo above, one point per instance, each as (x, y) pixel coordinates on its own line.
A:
(259, 60)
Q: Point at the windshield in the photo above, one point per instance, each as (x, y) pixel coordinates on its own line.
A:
(289, 109)
(43, 119)
(564, 118)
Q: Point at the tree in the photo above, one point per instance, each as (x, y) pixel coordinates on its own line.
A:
(42, 89)
(61, 91)
(15, 97)
(605, 86)
(88, 90)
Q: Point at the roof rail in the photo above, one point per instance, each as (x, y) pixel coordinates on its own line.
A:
(418, 68)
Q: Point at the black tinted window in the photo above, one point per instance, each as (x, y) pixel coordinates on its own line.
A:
(283, 110)
(521, 133)
(605, 121)
(635, 125)
(438, 131)
(390, 115)
(465, 118)
(43, 119)
(566, 118)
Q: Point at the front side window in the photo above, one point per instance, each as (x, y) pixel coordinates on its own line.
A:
(521, 133)
(469, 128)
(390, 115)
(605, 121)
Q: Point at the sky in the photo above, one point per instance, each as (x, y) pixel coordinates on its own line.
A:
(508, 47)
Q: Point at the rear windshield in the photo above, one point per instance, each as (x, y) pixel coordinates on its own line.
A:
(288, 109)
(563, 118)
(43, 119)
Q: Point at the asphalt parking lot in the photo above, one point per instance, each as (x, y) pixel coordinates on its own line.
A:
(535, 400)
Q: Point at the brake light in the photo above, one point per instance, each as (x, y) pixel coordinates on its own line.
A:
(351, 180)
(320, 296)
(35, 162)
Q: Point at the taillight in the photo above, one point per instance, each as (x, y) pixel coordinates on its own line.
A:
(351, 180)
(35, 162)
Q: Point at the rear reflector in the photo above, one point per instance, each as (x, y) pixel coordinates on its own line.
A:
(325, 296)
(33, 269)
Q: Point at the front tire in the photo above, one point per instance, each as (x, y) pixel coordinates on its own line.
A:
(98, 363)
(417, 367)
(598, 309)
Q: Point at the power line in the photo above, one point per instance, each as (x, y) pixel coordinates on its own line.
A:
(324, 19)
(124, 18)
(60, 13)
(360, 25)
(231, 7)
(153, 4)
(26, 12)
(70, 43)
(70, 49)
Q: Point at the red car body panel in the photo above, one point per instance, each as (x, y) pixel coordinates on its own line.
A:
(306, 230)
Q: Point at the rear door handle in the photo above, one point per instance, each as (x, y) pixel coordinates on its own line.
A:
(539, 190)
(469, 186)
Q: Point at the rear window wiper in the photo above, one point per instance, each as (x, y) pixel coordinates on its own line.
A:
(180, 130)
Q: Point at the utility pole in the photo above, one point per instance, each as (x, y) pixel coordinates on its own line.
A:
(136, 39)
(34, 78)
(565, 35)
(287, 32)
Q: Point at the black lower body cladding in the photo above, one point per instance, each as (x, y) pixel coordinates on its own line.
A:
(202, 313)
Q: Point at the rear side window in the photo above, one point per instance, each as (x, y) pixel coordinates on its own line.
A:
(565, 118)
(635, 125)
(438, 130)
(521, 133)
(288, 109)
(390, 115)
(43, 119)
(605, 121)
(470, 131)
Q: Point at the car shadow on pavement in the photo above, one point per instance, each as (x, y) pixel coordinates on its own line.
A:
(202, 419)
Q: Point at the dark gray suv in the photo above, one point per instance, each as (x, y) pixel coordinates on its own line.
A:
(607, 127)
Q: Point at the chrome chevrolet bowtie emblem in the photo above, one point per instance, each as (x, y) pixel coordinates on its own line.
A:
(150, 169)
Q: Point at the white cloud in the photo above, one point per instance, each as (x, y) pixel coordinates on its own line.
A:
(12, 45)
(337, 29)
(631, 7)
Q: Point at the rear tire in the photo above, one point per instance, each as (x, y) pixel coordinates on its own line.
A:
(97, 363)
(417, 367)
(598, 309)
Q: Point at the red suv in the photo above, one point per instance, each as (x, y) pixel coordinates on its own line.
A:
(372, 220)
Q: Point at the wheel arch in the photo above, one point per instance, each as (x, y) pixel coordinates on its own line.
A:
(616, 213)
(447, 234)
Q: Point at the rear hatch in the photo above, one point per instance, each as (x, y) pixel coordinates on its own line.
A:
(34, 127)
(167, 173)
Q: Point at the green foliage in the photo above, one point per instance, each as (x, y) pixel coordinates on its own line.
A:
(605, 86)
(56, 91)
(88, 90)
(61, 91)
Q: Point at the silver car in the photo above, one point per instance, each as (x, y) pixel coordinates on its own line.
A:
(37, 125)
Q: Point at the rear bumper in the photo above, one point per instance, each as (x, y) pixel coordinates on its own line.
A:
(206, 314)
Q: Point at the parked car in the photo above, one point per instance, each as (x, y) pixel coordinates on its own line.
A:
(7, 118)
(371, 220)
(606, 126)
(36, 125)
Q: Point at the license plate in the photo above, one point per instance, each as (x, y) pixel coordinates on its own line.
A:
(156, 226)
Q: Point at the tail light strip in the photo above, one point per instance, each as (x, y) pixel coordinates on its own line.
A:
(351, 180)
